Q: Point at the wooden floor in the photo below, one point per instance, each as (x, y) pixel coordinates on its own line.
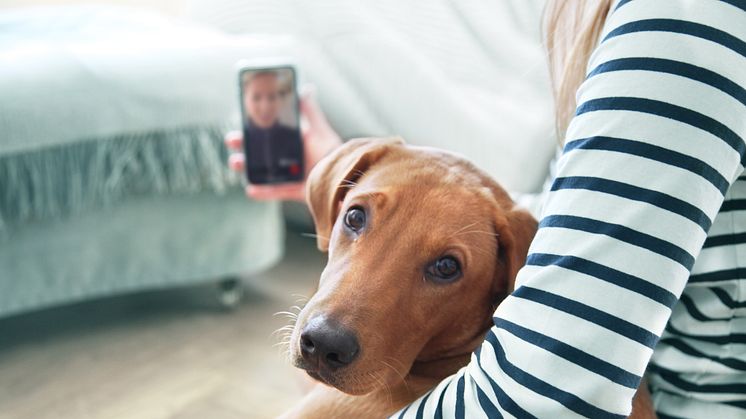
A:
(159, 355)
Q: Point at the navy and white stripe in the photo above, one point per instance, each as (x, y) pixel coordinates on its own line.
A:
(642, 239)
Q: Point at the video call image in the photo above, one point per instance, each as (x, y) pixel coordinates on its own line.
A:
(271, 132)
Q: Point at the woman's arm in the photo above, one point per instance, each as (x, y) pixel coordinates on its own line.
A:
(657, 139)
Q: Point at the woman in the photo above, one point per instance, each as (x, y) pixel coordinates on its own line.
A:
(653, 152)
(274, 147)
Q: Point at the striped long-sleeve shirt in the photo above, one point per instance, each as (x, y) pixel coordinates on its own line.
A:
(642, 239)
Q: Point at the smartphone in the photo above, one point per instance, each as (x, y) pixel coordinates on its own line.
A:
(271, 124)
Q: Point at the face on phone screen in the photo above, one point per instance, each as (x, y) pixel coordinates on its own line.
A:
(272, 141)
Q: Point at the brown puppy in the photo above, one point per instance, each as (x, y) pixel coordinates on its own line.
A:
(422, 247)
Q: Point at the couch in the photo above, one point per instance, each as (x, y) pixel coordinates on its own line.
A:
(112, 174)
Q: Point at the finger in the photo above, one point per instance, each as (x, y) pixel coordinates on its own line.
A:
(267, 193)
(310, 108)
(305, 127)
(234, 140)
(308, 89)
(237, 162)
(287, 192)
(290, 191)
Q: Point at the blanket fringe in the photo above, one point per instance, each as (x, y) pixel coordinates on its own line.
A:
(68, 179)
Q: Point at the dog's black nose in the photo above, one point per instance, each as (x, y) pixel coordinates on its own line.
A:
(324, 341)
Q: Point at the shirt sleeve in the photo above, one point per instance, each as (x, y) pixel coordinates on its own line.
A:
(656, 141)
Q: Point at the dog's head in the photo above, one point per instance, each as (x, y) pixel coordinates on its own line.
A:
(422, 247)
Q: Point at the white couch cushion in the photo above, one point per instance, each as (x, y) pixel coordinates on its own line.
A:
(75, 73)
(465, 76)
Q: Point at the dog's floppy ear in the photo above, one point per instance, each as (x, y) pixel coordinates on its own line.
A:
(516, 229)
(335, 174)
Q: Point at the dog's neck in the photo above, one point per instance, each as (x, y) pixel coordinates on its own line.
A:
(441, 367)
(450, 361)
(426, 373)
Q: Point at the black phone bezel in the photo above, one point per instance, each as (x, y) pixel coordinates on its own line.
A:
(276, 179)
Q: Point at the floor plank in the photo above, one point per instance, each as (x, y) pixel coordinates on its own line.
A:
(158, 355)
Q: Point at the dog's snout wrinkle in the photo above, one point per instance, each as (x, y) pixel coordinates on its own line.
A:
(327, 344)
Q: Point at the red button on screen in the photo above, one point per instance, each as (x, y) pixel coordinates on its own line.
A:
(294, 169)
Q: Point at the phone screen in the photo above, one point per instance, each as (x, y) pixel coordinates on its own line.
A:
(271, 128)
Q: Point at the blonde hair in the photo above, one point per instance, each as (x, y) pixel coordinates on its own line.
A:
(284, 79)
(250, 76)
(571, 31)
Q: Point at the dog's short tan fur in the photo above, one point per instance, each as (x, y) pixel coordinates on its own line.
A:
(421, 204)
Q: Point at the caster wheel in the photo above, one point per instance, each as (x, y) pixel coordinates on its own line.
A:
(230, 292)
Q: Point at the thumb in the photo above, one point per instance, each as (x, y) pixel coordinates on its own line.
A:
(310, 108)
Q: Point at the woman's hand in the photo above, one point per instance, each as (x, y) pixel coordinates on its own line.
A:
(319, 138)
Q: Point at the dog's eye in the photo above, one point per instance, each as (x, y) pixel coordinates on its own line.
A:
(355, 219)
(445, 269)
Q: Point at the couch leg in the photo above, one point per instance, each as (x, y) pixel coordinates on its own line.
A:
(230, 292)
